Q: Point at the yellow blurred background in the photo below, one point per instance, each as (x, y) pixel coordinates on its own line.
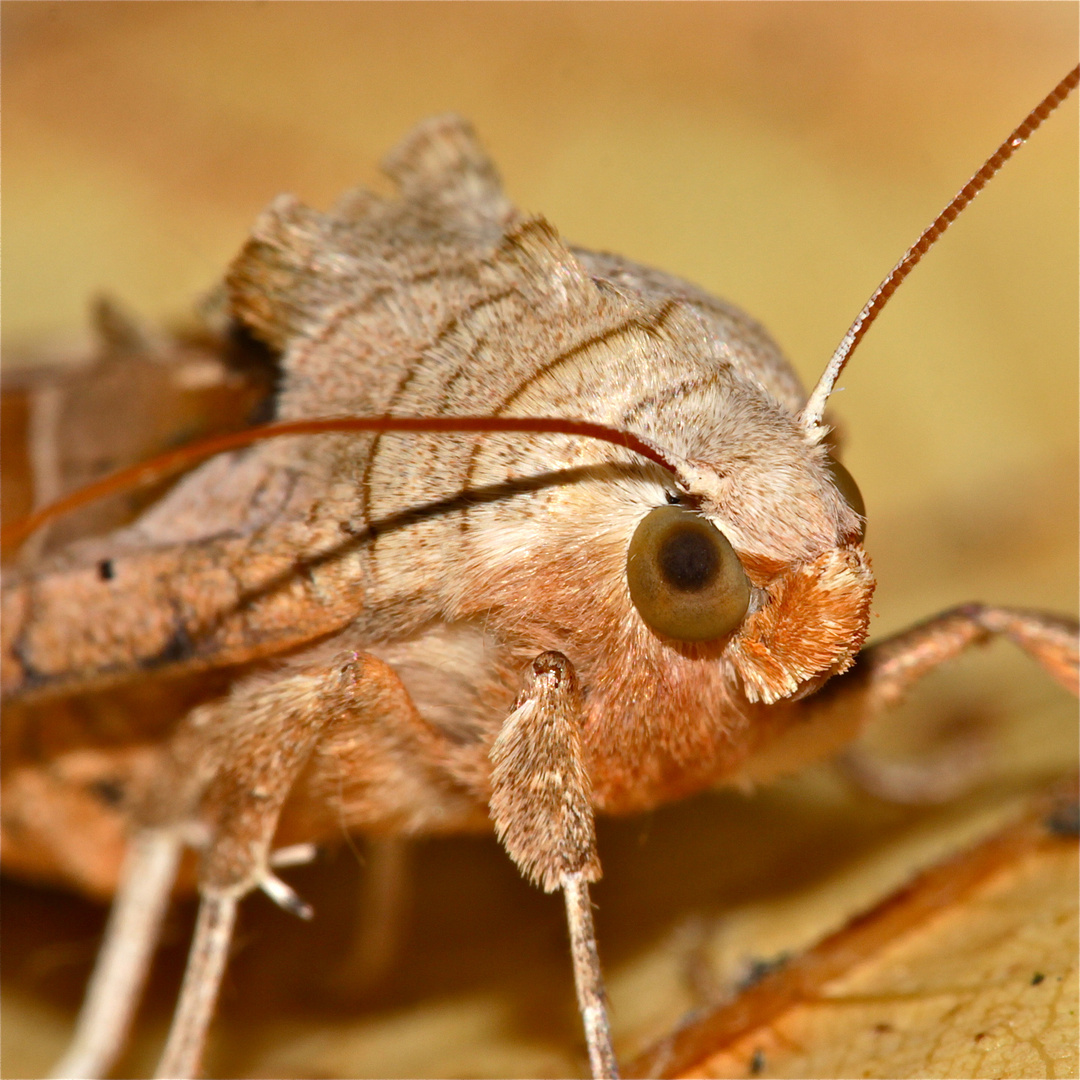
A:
(781, 155)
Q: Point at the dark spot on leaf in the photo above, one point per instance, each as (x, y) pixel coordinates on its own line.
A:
(1064, 819)
(108, 790)
(758, 969)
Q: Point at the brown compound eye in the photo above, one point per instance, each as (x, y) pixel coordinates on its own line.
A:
(849, 491)
(685, 579)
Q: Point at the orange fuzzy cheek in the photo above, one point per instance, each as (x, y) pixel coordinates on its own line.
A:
(816, 620)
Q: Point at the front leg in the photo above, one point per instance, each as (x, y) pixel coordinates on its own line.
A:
(230, 767)
(893, 665)
(350, 718)
(542, 808)
(271, 733)
(825, 724)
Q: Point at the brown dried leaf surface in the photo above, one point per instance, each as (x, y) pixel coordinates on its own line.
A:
(100, 406)
(968, 971)
(991, 990)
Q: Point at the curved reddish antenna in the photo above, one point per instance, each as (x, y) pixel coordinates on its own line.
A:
(173, 461)
(815, 406)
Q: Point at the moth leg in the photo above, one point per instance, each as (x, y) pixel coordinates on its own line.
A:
(937, 779)
(894, 665)
(254, 746)
(827, 722)
(542, 809)
(592, 1001)
(244, 803)
(384, 898)
(122, 964)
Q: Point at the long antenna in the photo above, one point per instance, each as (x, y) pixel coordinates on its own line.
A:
(174, 461)
(815, 406)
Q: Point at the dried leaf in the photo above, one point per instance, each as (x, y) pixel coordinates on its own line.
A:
(970, 970)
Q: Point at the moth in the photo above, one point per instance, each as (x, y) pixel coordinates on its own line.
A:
(574, 539)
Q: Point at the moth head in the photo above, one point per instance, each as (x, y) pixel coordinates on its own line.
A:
(702, 582)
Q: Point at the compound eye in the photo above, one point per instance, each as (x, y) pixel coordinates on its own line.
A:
(685, 579)
(849, 491)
